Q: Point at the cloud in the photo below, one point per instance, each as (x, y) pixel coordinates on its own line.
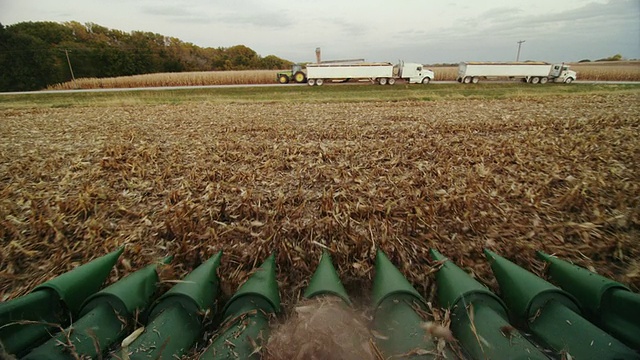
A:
(175, 13)
(593, 27)
(265, 20)
(226, 13)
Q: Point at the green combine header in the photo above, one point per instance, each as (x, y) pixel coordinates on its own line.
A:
(577, 315)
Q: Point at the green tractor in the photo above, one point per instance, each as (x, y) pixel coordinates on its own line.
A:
(296, 74)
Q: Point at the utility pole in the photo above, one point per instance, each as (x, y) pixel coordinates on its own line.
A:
(519, 45)
(66, 52)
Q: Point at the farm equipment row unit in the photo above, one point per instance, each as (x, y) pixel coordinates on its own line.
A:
(381, 72)
(588, 316)
(530, 72)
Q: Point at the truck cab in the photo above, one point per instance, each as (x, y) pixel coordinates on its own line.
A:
(414, 73)
(561, 73)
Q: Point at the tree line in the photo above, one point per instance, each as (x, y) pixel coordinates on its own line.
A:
(34, 55)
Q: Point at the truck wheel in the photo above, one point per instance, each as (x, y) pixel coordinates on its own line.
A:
(535, 80)
(299, 77)
(466, 80)
(544, 80)
(475, 79)
(283, 79)
(426, 80)
(568, 81)
(319, 82)
(391, 81)
(311, 82)
(382, 81)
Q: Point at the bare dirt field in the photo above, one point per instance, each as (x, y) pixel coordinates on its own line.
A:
(559, 174)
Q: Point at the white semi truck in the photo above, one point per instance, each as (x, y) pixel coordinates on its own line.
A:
(378, 72)
(531, 72)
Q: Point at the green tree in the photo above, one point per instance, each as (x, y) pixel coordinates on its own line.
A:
(272, 62)
(616, 57)
(242, 57)
(33, 54)
(27, 62)
(50, 32)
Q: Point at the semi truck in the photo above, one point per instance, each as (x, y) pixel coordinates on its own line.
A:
(530, 72)
(382, 73)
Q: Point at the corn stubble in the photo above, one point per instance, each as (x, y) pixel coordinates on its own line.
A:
(554, 174)
(321, 329)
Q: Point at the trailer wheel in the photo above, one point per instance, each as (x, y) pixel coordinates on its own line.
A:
(319, 82)
(568, 81)
(283, 79)
(311, 82)
(475, 79)
(382, 81)
(544, 80)
(535, 80)
(391, 81)
(466, 80)
(299, 77)
(426, 80)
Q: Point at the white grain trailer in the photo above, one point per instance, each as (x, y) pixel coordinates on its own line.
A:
(531, 72)
(381, 72)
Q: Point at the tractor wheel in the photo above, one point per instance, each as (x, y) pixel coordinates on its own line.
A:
(299, 77)
(283, 79)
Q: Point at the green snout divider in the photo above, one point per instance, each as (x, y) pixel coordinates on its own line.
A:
(27, 321)
(553, 315)
(325, 281)
(479, 318)
(105, 318)
(245, 326)
(609, 304)
(176, 318)
(396, 320)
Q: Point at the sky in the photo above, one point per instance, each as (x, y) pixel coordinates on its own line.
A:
(424, 31)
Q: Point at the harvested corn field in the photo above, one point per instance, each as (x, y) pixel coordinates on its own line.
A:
(511, 175)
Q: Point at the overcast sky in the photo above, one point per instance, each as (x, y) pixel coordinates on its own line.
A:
(413, 30)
